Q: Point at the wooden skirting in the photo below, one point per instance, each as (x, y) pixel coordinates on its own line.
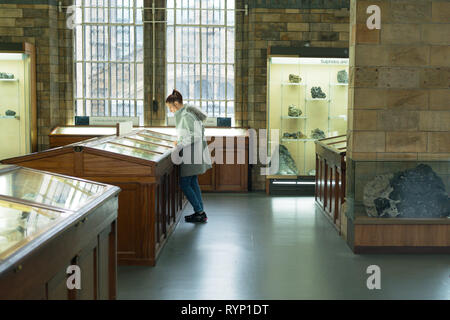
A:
(411, 237)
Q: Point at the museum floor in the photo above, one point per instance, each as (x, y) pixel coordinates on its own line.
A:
(260, 247)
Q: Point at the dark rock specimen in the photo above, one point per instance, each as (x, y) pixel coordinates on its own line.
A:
(294, 135)
(286, 162)
(413, 193)
(342, 76)
(293, 78)
(421, 193)
(293, 111)
(317, 134)
(317, 93)
(10, 113)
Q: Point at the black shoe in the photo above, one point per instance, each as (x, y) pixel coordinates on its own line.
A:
(196, 217)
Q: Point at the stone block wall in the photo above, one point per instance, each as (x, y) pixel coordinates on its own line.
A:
(41, 24)
(400, 81)
(289, 23)
(292, 27)
(399, 96)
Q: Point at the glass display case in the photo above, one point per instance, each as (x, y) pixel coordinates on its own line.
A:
(307, 101)
(20, 223)
(18, 102)
(32, 202)
(398, 206)
(139, 162)
(143, 144)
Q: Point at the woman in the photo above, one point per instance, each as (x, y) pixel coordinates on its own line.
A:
(196, 159)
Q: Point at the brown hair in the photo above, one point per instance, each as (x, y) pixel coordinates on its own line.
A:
(175, 97)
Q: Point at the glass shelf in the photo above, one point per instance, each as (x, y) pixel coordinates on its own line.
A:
(9, 80)
(10, 117)
(340, 117)
(300, 140)
(288, 117)
(339, 84)
(317, 99)
(293, 84)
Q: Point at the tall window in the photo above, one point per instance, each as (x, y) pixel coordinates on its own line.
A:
(200, 53)
(109, 57)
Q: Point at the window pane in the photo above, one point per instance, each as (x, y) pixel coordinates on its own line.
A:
(200, 58)
(186, 16)
(230, 82)
(230, 45)
(230, 17)
(213, 44)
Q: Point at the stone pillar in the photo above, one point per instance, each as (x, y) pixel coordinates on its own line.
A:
(399, 97)
(158, 117)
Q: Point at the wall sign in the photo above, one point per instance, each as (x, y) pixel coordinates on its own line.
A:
(374, 21)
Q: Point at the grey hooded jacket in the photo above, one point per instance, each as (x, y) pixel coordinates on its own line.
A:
(191, 139)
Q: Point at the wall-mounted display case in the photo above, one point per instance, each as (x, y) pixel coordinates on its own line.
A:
(48, 222)
(138, 162)
(307, 101)
(18, 133)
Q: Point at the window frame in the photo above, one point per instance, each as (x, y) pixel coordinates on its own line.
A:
(204, 101)
(132, 100)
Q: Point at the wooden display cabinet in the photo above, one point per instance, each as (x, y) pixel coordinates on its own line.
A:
(50, 222)
(150, 203)
(330, 177)
(221, 178)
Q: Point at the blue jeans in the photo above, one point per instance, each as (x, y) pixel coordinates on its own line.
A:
(191, 190)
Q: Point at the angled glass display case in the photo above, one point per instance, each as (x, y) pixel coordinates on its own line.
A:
(32, 201)
(18, 133)
(307, 101)
(139, 162)
(44, 226)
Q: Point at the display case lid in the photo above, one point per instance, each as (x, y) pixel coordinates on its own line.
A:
(21, 223)
(128, 151)
(140, 144)
(158, 135)
(105, 131)
(337, 144)
(32, 186)
(84, 131)
(36, 206)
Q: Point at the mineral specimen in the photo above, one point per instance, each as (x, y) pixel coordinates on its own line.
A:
(421, 193)
(317, 134)
(376, 197)
(294, 135)
(293, 111)
(342, 76)
(293, 78)
(317, 93)
(10, 113)
(4, 75)
(286, 162)
(413, 193)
